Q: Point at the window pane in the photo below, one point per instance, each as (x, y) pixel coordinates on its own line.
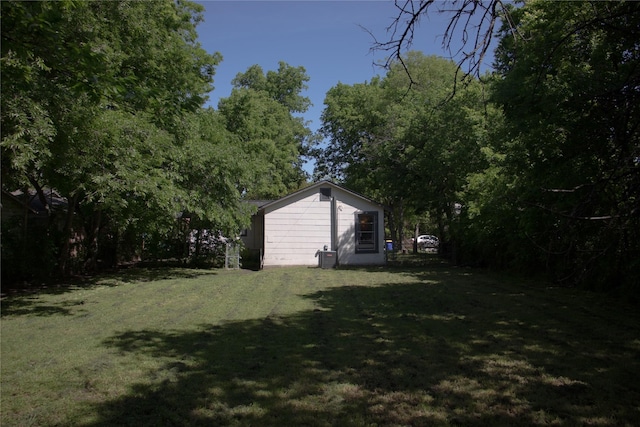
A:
(325, 194)
(366, 232)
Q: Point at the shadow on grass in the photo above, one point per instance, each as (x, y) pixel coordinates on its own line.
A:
(32, 306)
(150, 274)
(26, 301)
(457, 352)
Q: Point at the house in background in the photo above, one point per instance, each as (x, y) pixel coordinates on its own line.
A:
(13, 207)
(297, 228)
(28, 208)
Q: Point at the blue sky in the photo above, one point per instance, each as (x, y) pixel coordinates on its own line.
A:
(325, 37)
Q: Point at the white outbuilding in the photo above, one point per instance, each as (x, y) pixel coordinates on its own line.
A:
(321, 225)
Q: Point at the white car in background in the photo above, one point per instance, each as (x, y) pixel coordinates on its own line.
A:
(428, 241)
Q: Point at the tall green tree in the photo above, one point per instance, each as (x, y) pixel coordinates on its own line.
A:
(284, 85)
(360, 123)
(405, 140)
(260, 113)
(350, 122)
(569, 90)
(467, 32)
(96, 103)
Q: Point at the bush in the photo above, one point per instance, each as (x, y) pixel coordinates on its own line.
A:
(28, 254)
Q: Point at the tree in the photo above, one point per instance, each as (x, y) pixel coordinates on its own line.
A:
(350, 120)
(260, 113)
(448, 143)
(570, 95)
(283, 86)
(471, 22)
(96, 98)
(559, 192)
(358, 125)
(408, 145)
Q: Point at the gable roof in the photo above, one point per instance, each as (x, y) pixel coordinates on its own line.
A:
(9, 199)
(54, 199)
(323, 183)
(32, 202)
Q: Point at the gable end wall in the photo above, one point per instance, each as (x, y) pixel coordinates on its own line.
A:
(294, 232)
(296, 229)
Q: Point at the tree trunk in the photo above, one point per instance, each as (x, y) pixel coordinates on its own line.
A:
(391, 222)
(400, 225)
(63, 260)
(40, 194)
(443, 248)
(24, 237)
(198, 243)
(93, 243)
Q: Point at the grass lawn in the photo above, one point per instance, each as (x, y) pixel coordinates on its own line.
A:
(433, 345)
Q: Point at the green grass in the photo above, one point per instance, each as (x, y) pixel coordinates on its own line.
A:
(430, 345)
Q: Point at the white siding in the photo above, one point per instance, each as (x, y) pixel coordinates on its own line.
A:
(295, 231)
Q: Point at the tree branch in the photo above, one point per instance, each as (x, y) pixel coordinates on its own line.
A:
(401, 32)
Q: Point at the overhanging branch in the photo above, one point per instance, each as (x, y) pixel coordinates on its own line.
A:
(477, 35)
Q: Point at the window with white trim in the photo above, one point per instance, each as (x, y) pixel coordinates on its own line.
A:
(367, 232)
